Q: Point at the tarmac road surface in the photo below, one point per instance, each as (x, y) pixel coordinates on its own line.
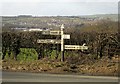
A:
(42, 77)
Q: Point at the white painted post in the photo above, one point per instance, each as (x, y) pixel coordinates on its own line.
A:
(62, 43)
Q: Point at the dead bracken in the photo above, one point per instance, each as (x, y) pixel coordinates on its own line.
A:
(99, 67)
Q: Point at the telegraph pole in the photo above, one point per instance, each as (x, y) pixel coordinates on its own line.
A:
(62, 43)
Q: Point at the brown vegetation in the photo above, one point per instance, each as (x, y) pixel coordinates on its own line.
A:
(102, 66)
(102, 38)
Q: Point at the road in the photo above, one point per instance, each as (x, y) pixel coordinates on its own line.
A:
(41, 77)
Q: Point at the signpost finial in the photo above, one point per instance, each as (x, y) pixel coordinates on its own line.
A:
(62, 26)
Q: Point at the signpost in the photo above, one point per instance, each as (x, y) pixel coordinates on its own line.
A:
(55, 32)
(63, 36)
(51, 32)
(76, 47)
(66, 36)
(46, 32)
(49, 41)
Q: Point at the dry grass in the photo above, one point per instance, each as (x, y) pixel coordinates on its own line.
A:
(102, 66)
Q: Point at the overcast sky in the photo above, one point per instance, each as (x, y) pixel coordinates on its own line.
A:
(58, 7)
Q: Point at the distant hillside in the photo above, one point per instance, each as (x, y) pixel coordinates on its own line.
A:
(113, 17)
(28, 21)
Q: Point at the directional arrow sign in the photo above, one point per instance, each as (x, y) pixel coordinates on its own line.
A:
(66, 36)
(51, 32)
(46, 32)
(55, 33)
(49, 41)
(76, 47)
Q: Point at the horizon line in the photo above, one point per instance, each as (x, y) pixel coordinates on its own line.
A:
(58, 15)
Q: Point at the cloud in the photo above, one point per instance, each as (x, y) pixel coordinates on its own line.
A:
(62, 8)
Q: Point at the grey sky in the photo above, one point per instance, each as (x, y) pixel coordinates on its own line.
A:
(63, 8)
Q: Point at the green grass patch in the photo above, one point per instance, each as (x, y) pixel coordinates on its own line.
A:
(27, 54)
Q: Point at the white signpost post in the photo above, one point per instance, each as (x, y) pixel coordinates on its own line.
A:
(62, 43)
(63, 36)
